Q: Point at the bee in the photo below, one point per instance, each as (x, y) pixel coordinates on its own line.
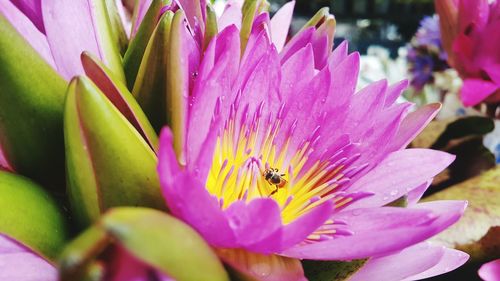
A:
(273, 177)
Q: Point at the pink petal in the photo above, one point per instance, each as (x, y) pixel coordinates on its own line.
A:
(417, 262)
(25, 27)
(417, 193)
(490, 271)
(475, 90)
(253, 230)
(231, 16)
(394, 91)
(21, 264)
(395, 267)
(264, 267)
(413, 124)
(216, 75)
(297, 42)
(33, 10)
(398, 174)
(142, 7)
(450, 260)
(70, 31)
(338, 54)
(188, 199)
(296, 73)
(370, 227)
(280, 24)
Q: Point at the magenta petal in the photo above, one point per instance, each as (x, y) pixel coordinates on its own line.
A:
(296, 73)
(188, 199)
(217, 73)
(475, 90)
(231, 16)
(256, 222)
(370, 227)
(417, 193)
(25, 27)
(490, 271)
(396, 267)
(70, 30)
(280, 24)
(413, 124)
(21, 264)
(338, 54)
(388, 181)
(142, 7)
(298, 230)
(298, 42)
(450, 260)
(394, 92)
(33, 10)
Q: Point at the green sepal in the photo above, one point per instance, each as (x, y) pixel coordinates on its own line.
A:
(150, 87)
(211, 28)
(32, 99)
(120, 96)
(171, 243)
(108, 162)
(249, 10)
(30, 215)
(137, 46)
(109, 45)
(317, 18)
(117, 28)
(331, 270)
(155, 238)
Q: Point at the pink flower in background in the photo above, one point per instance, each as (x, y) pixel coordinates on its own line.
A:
(468, 27)
(19, 263)
(490, 271)
(283, 161)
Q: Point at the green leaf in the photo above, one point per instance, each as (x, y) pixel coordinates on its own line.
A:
(108, 162)
(107, 33)
(150, 86)
(470, 233)
(30, 215)
(32, 99)
(463, 127)
(137, 47)
(331, 270)
(77, 258)
(164, 242)
(119, 95)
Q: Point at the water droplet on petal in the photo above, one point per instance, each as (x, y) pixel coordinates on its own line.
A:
(394, 192)
(356, 212)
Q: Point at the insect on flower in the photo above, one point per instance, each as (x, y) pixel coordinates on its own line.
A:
(273, 177)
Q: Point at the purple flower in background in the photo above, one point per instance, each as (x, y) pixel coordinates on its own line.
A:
(426, 54)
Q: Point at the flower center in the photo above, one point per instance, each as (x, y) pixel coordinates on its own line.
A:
(248, 149)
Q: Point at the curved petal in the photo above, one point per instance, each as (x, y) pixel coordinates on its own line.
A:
(33, 10)
(450, 260)
(413, 124)
(263, 267)
(399, 173)
(280, 24)
(396, 267)
(475, 90)
(490, 271)
(372, 226)
(19, 263)
(231, 16)
(188, 199)
(256, 225)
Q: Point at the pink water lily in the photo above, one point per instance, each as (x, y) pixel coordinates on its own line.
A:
(17, 262)
(467, 28)
(336, 157)
(490, 271)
